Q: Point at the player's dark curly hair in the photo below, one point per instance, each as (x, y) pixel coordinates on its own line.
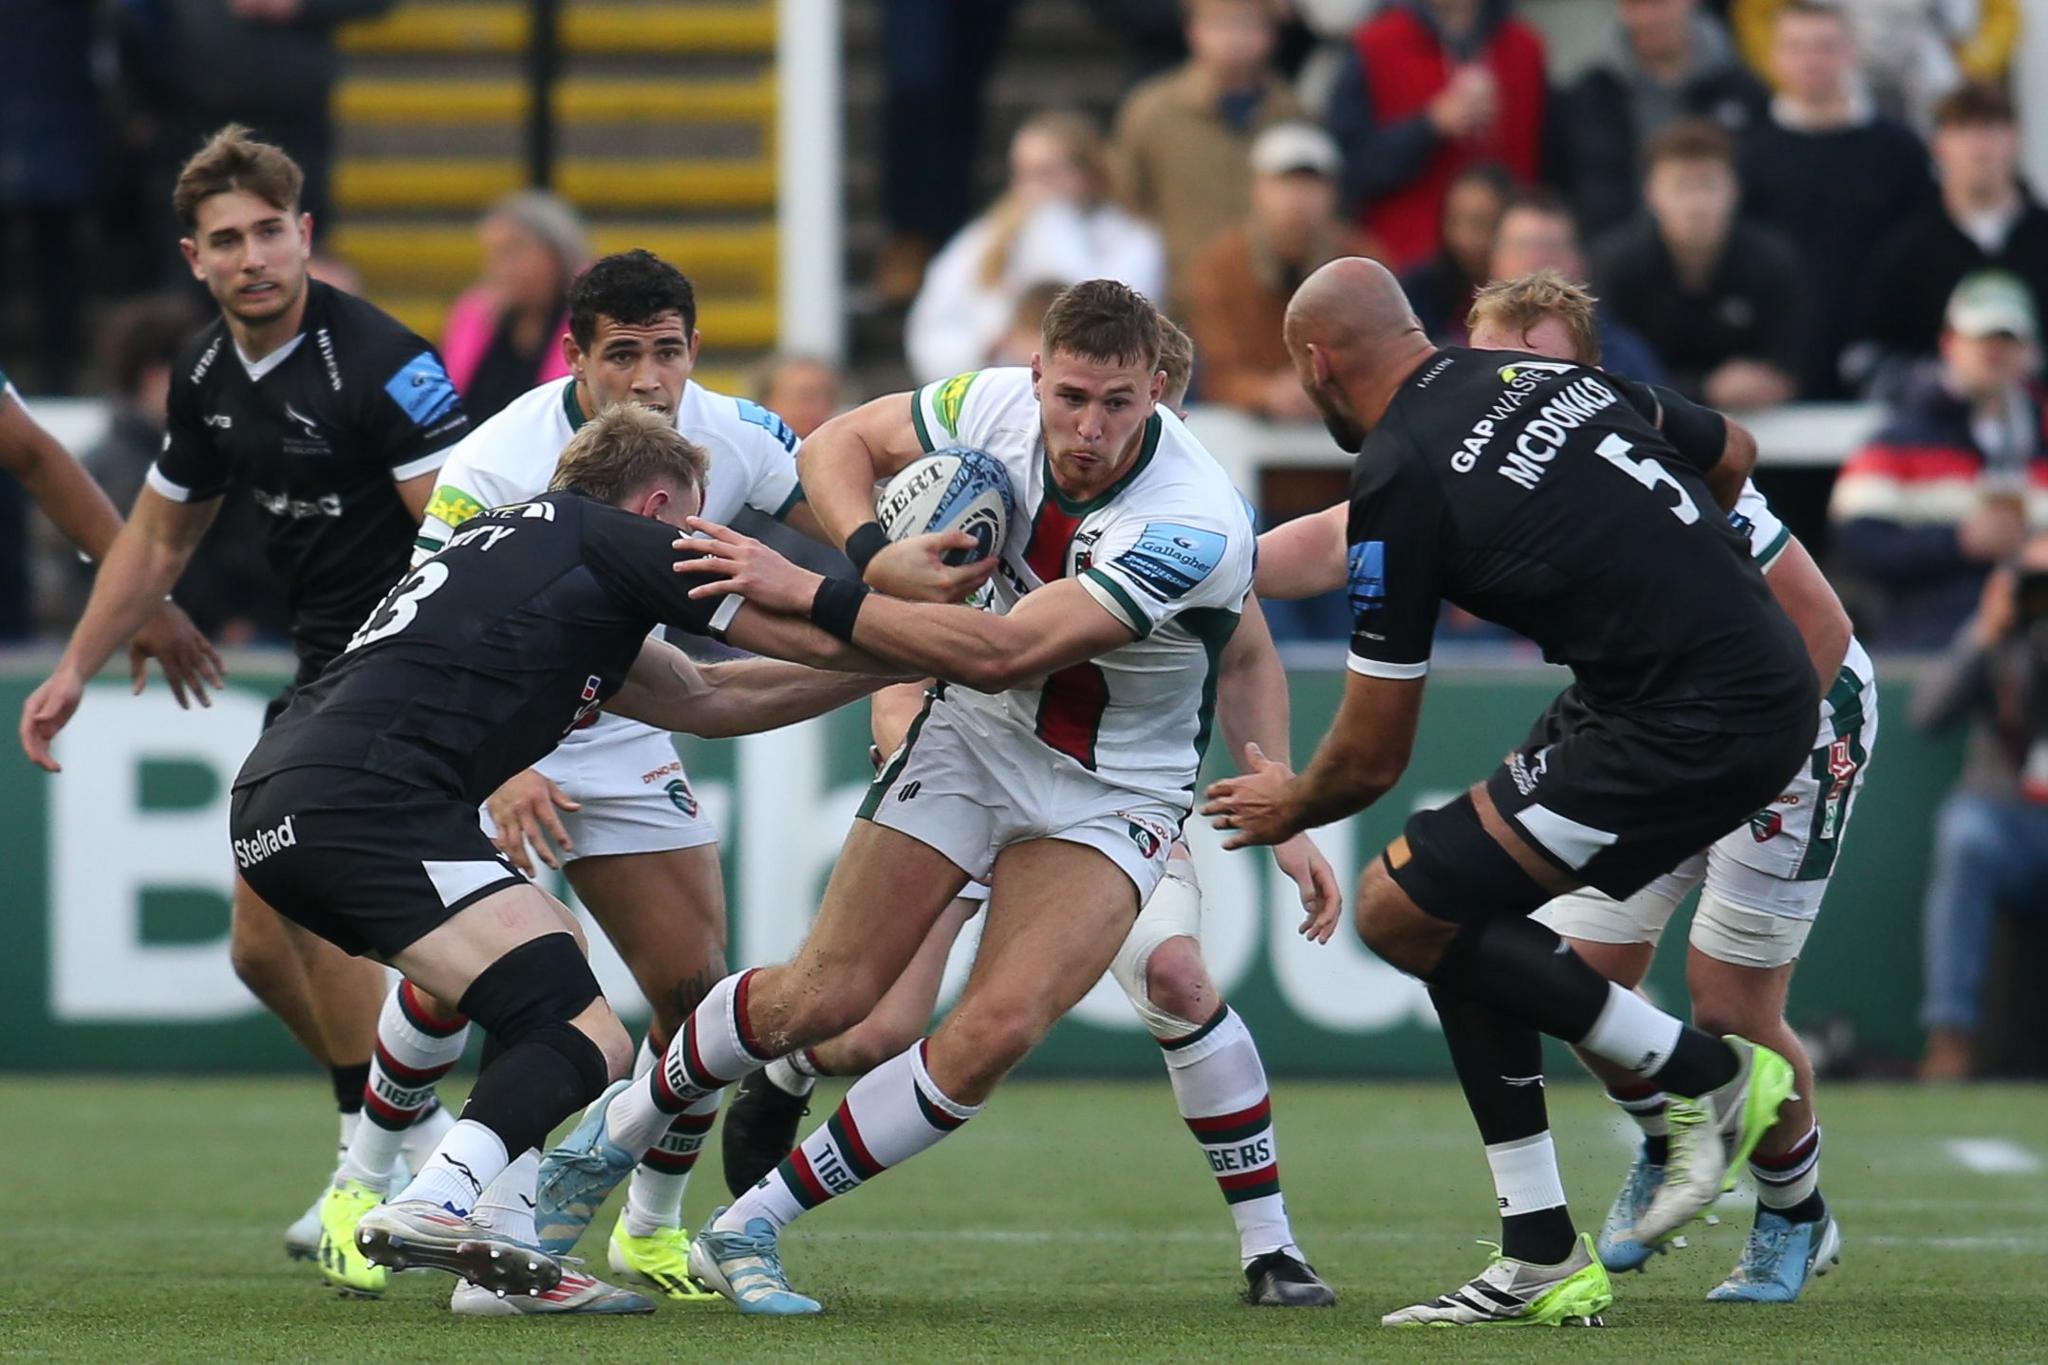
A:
(633, 287)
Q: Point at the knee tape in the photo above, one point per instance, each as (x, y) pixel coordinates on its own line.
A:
(543, 981)
(1173, 911)
(1456, 871)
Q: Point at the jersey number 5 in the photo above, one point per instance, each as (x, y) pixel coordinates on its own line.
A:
(396, 611)
(1615, 450)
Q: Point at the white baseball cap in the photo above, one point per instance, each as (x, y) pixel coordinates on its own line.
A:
(1295, 146)
(1992, 303)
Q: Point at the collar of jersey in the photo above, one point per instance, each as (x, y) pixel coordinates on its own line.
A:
(1078, 507)
(571, 406)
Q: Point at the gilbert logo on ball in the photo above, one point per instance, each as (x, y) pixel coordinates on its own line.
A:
(951, 490)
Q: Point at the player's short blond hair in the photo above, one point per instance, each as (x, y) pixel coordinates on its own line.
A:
(1177, 358)
(1518, 305)
(623, 450)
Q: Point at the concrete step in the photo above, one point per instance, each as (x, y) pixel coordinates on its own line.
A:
(402, 257)
(451, 184)
(587, 26)
(579, 101)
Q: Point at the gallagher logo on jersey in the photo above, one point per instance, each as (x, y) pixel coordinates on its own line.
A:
(1170, 559)
(423, 390)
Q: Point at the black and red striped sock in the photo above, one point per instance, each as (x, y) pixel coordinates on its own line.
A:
(1788, 1184)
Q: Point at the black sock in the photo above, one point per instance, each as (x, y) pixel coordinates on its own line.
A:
(349, 1082)
(538, 1081)
(1522, 970)
(1657, 1150)
(1701, 1062)
(1500, 1066)
(1807, 1210)
(490, 1052)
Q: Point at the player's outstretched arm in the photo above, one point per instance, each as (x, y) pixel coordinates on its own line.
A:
(146, 559)
(671, 691)
(69, 497)
(1821, 619)
(1358, 762)
(1303, 557)
(1252, 708)
(841, 462)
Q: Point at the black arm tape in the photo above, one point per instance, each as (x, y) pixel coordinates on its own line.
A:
(867, 540)
(543, 981)
(837, 606)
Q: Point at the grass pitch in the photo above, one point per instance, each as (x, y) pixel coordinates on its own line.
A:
(1071, 1222)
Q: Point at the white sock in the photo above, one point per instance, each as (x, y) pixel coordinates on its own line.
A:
(1525, 1175)
(645, 1057)
(1633, 1033)
(891, 1114)
(349, 1123)
(455, 1176)
(710, 1052)
(654, 1199)
(1790, 1177)
(1220, 1085)
(507, 1206)
(414, 1051)
(794, 1074)
(1647, 1105)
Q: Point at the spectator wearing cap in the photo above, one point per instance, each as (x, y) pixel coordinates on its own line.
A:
(1178, 155)
(1984, 219)
(1670, 60)
(1955, 478)
(1536, 232)
(504, 336)
(1440, 290)
(1243, 280)
(1719, 300)
(1429, 88)
(1832, 174)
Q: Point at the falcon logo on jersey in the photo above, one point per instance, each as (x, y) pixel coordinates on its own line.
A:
(1367, 581)
(1171, 559)
(950, 397)
(423, 390)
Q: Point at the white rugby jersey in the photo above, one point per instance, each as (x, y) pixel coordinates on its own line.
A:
(512, 457)
(1167, 550)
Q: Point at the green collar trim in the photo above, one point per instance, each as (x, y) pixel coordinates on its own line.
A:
(571, 407)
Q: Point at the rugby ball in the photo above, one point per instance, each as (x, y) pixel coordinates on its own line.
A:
(950, 490)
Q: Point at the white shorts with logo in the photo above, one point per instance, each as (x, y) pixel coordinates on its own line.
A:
(970, 786)
(634, 794)
(1764, 881)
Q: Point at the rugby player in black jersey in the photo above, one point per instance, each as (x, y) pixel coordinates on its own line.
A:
(356, 812)
(333, 417)
(1530, 493)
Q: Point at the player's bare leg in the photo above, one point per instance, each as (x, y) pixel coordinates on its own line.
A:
(886, 892)
(512, 964)
(665, 913)
(767, 1105)
(1057, 916)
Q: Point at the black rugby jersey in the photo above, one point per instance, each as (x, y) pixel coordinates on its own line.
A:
(318, 440)
(1534, 494)
(478, 663)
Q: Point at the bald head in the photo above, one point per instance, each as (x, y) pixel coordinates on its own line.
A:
(1354, 338)
(1352, 304)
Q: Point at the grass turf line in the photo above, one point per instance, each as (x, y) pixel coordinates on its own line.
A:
(1072, 1221)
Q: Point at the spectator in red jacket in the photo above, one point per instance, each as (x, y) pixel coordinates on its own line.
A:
(1430, 87)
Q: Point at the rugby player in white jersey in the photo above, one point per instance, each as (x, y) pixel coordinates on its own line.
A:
(1212, 1060)
(1763, 882)
(1056, 761)
(612, 806)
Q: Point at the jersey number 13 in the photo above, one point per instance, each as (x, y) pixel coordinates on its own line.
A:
(396, 611)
